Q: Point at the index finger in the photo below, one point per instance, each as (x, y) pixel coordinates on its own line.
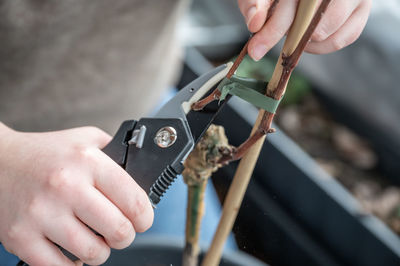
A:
(273, 30)
(254, 12)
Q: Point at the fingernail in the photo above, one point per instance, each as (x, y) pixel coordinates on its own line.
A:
(250, 14)
(259, 51)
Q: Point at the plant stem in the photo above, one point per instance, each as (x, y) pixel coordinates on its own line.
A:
(298, 36)
(290, 55)
(200, 164)
(199, 105)
(194, 215)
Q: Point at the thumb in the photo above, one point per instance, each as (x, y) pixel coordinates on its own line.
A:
(255, 12)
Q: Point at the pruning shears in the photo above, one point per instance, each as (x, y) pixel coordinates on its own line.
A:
(152, 150)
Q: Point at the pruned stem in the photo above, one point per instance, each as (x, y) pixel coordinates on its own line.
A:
(200, 164)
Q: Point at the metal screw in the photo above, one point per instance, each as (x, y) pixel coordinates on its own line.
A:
(165, 137)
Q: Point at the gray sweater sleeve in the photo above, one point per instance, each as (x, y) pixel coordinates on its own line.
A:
(72, 63)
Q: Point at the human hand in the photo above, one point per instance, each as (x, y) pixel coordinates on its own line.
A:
(54, 184)
(340, 26)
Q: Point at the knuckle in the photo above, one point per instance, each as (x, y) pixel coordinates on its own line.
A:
(83, 153)
(353, 37)
(95, 254)
(145, 226)
(143, 213)
(91, 253)
(319, 35)
(60, 181)
(124, 232)
(72, 238)
(34, 208)
(12, 236)
(338, 44)
(139, 207)
(149, 222)
(276, 31)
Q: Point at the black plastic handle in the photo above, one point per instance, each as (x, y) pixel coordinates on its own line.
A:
(118, 146)
(163, 182)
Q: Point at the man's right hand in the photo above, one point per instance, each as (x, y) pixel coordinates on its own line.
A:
(54, 185)
(341, 25)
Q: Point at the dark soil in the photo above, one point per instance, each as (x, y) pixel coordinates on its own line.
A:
(344, 155)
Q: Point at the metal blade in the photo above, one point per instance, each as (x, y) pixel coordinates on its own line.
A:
(180, 104)
(200, 121)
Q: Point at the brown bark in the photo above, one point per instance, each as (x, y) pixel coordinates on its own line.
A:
(298, 36)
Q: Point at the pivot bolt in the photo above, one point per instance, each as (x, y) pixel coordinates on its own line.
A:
(165, 137)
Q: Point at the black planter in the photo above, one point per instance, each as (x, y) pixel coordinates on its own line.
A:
(159, 251)
(294, 213)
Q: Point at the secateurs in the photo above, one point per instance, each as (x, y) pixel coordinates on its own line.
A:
(152, 150)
